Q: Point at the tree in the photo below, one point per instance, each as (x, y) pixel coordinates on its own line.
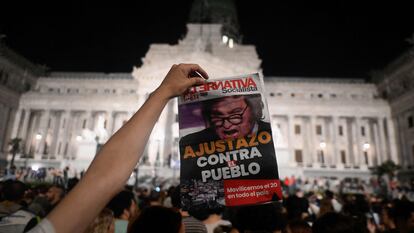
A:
(388, 168)
(15, 147)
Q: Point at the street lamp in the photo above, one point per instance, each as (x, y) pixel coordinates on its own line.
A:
(322, 146)
(38, 136)
(225, 39)
(365, 148)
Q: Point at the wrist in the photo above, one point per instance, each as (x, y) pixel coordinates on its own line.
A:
(161, 95)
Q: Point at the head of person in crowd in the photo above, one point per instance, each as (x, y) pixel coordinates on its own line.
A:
(338, 223)
(387, 217)
(103, 223)
(154, 198)
(124, 206)
(158, 219)
(266, 218)
(329, 194)
(55, 194)
(325, 206)
(41, 190)
(13, 191)
(296, 206)
(203, 211)
(211, 215)
(40, 206)
(71, 183)
(29, 195)
(298, 226)
(233, 116)
(176, 198)
(190, 223)
(403, 215)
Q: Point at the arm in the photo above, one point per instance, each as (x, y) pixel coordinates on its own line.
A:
(113, 165)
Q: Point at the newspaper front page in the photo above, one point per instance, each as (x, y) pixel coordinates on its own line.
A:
(226, 147)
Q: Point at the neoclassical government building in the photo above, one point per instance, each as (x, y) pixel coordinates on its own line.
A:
(323, 127)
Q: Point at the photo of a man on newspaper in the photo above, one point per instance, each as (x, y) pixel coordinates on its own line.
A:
(229, 117)
(230, 160)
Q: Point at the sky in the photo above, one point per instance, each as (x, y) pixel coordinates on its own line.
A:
(343, 39)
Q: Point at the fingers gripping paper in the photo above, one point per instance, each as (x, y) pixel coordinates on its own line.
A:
(226, 146)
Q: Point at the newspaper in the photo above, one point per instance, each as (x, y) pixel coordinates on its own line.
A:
(226, 147)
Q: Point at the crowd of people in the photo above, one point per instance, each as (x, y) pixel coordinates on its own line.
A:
(100, 202)
(305, 208)
(42, 174)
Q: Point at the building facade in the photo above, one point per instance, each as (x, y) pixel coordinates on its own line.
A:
(17, 76)
(396, 84)
(323, 127)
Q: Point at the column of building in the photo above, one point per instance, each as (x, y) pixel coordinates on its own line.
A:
(43, 129)
(312, 149)
(369, 140)
(290, 138)
(56, 128)
(378, 155)
(16, 123)
(22, 133)
(5, 118)
(32, 134)
(382, 139)
(109, 116)
(334, 147)
(392, 140)
(403, 139)
(358, 160)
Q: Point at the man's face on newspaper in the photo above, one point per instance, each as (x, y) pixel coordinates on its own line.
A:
(232, 117)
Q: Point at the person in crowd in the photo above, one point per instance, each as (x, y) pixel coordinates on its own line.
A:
(266, 218)
(124, 206)
(167, 201)
(403, 215)
(191, 224)
(158, 219)
(115, 162)
(211, 215)
(215, 220)
(297, 206)
(103, 223)
(55, 194)
(13, 215)
(338, 223)
(40, 205)
(335, 203)
(325, 207)
(298, 226)
(387, 219)
(71, 183)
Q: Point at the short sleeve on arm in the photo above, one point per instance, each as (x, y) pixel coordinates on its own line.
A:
(45, 226)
